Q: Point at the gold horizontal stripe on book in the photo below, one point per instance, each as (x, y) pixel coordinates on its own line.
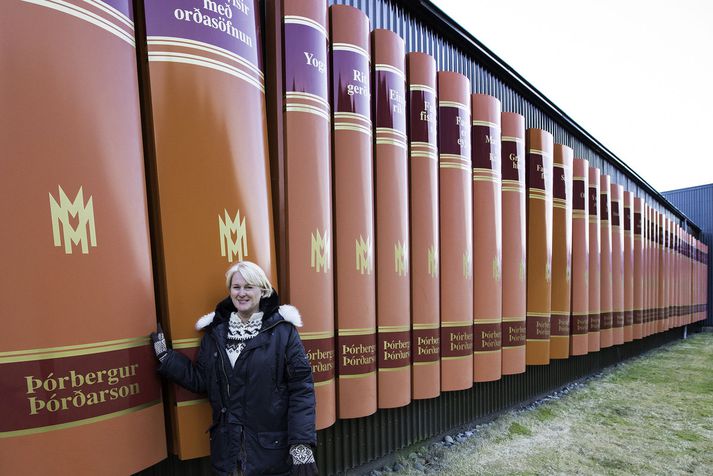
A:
(505, 347)
(401, 328)
(579, 314)
(390, 69)
(113, 12)
(511, 139)
(540, 152)
(514, 319)
(342, 126)
(184, 58)
(425, 155)
(561, 166)
(461, 158)
(426, 145)
(352, 115)
(31, 355)
(485, 123)
(492, 320)
(537, 340)
(459, 357)
(561, 337)
(425, 326)
(351, 47)
(190, 403)
(421, 364)
(388, 130)
(357, 331)
(186, 343)
(455, 104)
(463, 167)
(482, 352)
(559, 205)
(422, 87)
(300, 20)
(514, 189)
(486, 179)
(397, 143)
(485, 171)
(593, 219)
(562, 201)
(72, 424)
(456, 323)
(538, 314)
(324, 383)
(308, 97)
(309, 110)
(90, 17)
(394, 369)
(538, 197)
(316, 335)
(208, 48)
(579, 214)
(515, 183)
(356, 376)
(579, 179)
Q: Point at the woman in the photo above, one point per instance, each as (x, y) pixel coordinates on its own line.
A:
(253, 367)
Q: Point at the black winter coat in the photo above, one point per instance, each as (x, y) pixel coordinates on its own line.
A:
(264, 404)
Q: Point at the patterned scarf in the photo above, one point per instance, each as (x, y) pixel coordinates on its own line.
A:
(239, 333)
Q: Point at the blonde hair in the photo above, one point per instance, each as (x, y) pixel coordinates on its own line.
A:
(252, 274)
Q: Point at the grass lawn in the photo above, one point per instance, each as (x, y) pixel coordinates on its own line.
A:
(650, 416)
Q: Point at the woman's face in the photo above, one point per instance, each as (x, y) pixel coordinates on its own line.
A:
(245, 297)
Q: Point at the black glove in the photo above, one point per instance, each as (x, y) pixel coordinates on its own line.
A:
(159, 343)
(303, 463)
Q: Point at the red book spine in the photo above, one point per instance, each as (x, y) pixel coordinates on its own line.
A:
(425, 247)
(75, 245)
(487, 231)
(606, 278)
(514, 246)
(393, 304)
(308, 205)
(579, 323)
(617, 217)
(595, 253)
(561, 252)
(353, 160)
(539, 146)
(638, 268)
(628, 267)
(456, 231)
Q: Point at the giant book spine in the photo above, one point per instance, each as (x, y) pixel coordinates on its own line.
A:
(638, 268)
(77, 277)
(393, 304)
(514, 244)
(628, 267)
(487, 230)
(595, 255)
(617, 259)
(425, 248)
(211, 181)
(656, 235)
(647, 269)
(663, 267)
(606, 278)
(579, 323)
(669, 258)
(539, 146)
(355, 280)
(456, 231)
(306, 200)
(561, 251)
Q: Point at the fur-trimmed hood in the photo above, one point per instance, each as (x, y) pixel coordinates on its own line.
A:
(288, 312)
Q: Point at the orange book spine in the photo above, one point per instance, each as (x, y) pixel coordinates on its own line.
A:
(487, 231)
(539, 146)
(606, 278)
(628, 267)
(456, 231)
(78, 292)
(579, 322)
(561, 252)
(393, 303)
(352, 156)
(617, 241)
(308, 204)
(663, 238)
(595, 252)
(425, 262)
(638, 268)
(514, 246)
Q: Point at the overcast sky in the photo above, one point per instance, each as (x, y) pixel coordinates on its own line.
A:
(637, 75)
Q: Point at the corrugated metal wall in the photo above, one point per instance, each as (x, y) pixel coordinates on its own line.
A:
(697, 204)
